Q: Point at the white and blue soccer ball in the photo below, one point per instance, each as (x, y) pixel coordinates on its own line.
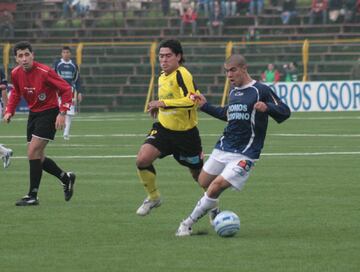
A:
(227, 224)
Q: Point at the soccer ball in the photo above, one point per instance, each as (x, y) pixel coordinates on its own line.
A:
(226, 224)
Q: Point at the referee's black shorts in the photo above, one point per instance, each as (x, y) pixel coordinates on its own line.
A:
(42, 124)
(185, 146)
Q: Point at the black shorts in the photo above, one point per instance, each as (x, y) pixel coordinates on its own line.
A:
(185, 146)
(42, 124)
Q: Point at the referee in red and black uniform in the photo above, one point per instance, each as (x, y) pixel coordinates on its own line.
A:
(40, 86)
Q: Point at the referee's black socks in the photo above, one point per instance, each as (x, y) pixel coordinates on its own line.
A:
(52, 168)
(35, 176)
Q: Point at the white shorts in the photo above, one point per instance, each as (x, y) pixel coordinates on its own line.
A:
(233, 167)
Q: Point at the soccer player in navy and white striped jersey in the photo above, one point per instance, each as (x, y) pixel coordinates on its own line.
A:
(5, 153)
(66, 68)
(3, 92)
(234, 155)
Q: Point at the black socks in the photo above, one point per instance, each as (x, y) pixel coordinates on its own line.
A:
(35, 176)
(52, 168)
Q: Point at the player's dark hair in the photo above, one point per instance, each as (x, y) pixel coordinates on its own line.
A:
(66, 48)
(175, 47)
(22, 46)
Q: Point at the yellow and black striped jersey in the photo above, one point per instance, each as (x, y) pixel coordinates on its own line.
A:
(179, 113)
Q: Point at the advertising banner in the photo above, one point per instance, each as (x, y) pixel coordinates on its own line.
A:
(320, 95)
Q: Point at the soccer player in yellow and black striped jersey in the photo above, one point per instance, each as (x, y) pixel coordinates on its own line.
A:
(175, 133)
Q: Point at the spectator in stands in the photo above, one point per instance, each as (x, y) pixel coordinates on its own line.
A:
(270, 75)
(67, 9)
(122, 6)
(290, 72)
(252, 36)
(242, 6)
(81, 7)
(274, 3)
(350, 7)
(203, 6)
(335, 7)
(318, 10)
(6, 24)
(216, 19)
(188, 18)
(165, 7)
(230, 7)
(288, 11)
(183, 6)
(256, 7)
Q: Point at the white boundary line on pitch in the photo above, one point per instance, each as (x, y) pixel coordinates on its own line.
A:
(202, 135)
(145, 118)
(264, 154)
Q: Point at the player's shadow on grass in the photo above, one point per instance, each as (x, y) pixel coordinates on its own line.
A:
(201, 232)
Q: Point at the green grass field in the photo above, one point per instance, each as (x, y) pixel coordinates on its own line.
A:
(299, 211)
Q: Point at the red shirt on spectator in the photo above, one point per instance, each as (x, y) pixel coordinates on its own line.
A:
(319, 5)
(189, 16)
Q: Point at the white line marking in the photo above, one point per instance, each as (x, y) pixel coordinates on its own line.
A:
(264, 154)
(146, 118)
(202, 135)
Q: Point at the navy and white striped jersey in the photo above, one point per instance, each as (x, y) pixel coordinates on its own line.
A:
(69, 71)
(246, 129)
(3, 81)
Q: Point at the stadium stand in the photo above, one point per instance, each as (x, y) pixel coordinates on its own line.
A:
(116, 75)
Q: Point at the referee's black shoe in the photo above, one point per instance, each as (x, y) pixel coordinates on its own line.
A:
(69, 187)
(28, 201)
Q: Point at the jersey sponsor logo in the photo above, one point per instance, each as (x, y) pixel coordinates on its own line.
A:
(152, 134)
(42, 96)
(66, 74)
(246, 165)
(30, 90)
(243, 167)
(239, 93)
(238, 112)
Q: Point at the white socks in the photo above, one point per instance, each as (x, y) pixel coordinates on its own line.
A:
(68, 119)
(204, 205)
